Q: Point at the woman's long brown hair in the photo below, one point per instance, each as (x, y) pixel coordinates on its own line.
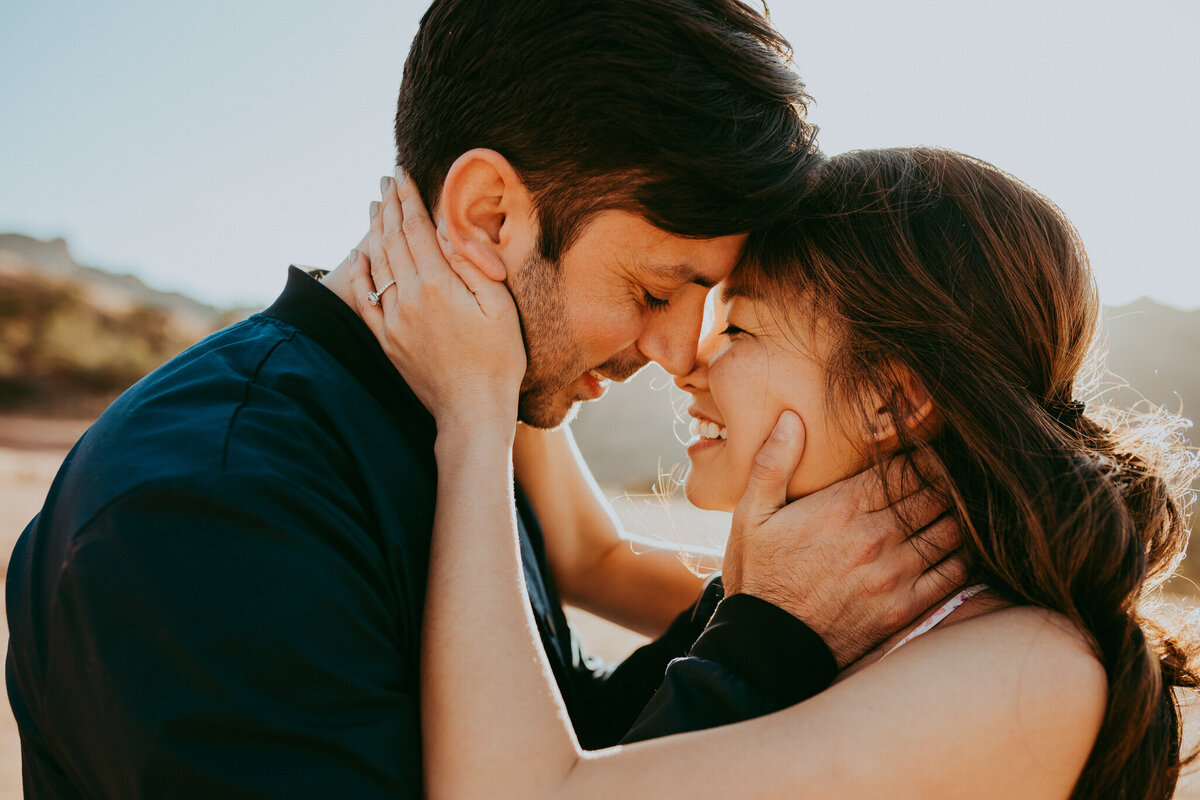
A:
(979, 287)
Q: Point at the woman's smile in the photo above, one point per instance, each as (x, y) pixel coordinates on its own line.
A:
(743, 379)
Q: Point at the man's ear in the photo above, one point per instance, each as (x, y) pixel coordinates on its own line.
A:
(909, 410)
(487, 213)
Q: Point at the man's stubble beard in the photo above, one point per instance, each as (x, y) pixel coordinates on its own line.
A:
(554, 355)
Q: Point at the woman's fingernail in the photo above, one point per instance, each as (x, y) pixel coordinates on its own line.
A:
(384, 183)
(374, 208)
(353, 255)
(401, 175)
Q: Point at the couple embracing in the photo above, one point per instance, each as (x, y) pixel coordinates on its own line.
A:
(317, 555)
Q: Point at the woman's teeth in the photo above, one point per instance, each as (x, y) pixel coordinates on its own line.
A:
(707, 430)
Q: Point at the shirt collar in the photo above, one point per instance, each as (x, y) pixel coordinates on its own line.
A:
(322, 316)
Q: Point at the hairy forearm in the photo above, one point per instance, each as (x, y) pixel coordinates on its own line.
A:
(594, 567)
(643, 591)
(476, 737)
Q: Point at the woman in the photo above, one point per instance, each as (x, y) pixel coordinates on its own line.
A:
(920, 302)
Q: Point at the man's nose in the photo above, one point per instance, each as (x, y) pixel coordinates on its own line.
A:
(696, 378)
(671, 338)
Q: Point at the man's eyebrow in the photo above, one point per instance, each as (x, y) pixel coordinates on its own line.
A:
(683, 273)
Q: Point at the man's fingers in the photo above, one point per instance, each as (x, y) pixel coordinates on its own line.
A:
(916, 511)
(904, 475)
(938, 581)
(774, 466)
(934, 542)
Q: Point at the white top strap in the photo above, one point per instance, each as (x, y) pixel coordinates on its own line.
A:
(939, 615)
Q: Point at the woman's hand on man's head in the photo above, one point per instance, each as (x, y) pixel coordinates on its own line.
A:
(451, 331)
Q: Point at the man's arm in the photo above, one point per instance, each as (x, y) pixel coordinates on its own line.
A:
(595, 568)
(608, 698)
(753, 658)
(228, 637)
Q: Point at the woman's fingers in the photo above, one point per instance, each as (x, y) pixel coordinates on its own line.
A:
(361, 285)
(395, 239)
(415, 225)
(381, 270)
(430, 246)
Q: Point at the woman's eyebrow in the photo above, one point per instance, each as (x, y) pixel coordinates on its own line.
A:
(732, 290)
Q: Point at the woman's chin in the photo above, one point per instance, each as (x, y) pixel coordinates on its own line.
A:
(702, 496)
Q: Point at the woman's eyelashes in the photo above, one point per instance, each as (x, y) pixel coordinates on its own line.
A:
(731, 330)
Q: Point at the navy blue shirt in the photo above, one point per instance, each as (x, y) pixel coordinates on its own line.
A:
(222, 595)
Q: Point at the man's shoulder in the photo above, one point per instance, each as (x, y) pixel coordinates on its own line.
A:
(257, 400)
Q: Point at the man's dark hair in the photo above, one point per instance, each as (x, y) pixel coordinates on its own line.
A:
(684, 111)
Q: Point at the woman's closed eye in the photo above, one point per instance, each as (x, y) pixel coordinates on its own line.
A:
(732, 330)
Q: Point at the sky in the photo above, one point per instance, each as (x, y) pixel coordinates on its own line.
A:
(205, 146)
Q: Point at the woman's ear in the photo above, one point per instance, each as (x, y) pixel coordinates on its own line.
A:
(909, 410)
(486, 213)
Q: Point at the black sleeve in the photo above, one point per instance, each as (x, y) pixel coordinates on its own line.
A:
(227, 638)
(752, 658)
(611, 697)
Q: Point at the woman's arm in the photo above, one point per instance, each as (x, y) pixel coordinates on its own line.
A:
(1004, 705)
(594, 567)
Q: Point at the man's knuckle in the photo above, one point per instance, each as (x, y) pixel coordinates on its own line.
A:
(883, 583)
(868, 549)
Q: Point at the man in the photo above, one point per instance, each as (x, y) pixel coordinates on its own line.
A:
(222, 596)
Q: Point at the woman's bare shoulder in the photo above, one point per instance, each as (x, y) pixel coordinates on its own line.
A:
(1011, 700)
(1030, 625)
(1044, 661)
(1003, 704)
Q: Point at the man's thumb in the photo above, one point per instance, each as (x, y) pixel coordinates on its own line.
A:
(774, 466)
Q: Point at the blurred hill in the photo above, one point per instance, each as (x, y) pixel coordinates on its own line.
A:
(72, 337)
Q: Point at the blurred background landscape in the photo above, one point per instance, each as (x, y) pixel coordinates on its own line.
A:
(164, 162)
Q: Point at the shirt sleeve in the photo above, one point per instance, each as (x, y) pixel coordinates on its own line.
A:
(226, 637)
(610, 697)
(753, 658)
